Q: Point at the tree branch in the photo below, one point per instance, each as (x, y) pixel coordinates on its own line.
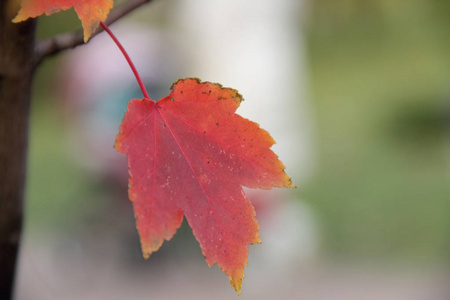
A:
(16, 74)
(71, 40)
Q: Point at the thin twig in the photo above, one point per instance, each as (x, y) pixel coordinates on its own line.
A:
(71, 40)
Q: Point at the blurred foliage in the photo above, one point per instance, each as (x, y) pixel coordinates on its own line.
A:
(56, 183)
(380, 75)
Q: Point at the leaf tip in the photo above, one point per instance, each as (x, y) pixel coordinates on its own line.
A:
(20, 16)
(149, 248)
(146, 255)
(17, 19)
(236, 281)
(89, 30)
(257, 239)
(236, 285)
(290, 184)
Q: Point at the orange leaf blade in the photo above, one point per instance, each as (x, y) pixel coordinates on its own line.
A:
(33, 8)
(90, 12)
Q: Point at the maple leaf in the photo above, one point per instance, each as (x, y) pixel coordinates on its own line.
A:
(188, 154)
(90, 12)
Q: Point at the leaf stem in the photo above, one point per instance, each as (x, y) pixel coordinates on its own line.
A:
(125, 54)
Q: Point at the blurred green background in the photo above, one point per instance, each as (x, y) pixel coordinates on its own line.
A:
(379, 75)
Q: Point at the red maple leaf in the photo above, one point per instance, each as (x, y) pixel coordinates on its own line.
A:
(188, 154)
(90, 12)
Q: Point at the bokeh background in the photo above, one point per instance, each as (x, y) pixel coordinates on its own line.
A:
(357, 95)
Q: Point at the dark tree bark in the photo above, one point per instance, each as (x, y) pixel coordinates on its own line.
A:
(16, 73)
(19, 57)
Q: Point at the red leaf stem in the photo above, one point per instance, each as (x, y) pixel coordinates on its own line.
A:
(127, 57)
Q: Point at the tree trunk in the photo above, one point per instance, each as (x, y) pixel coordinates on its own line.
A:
(16, 73)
